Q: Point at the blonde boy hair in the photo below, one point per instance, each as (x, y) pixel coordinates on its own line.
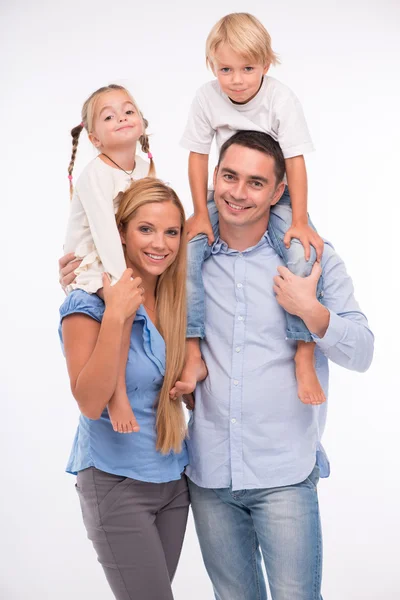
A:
(245, 35)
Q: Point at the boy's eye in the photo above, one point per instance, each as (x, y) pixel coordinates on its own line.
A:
(225, 70)
(249, 69)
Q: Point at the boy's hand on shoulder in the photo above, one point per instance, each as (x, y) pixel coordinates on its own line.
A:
(199, 223)
(307, 236)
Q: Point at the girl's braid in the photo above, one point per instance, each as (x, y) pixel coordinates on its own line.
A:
(145, 145)
(75, 133)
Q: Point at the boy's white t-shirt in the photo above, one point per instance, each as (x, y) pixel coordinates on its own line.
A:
(92, 232)
(274, 110)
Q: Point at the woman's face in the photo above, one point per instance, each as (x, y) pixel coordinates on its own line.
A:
(152, 238)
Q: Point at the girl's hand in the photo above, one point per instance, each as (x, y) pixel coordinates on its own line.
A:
(199, 224)
(306, 234)
(125, 297)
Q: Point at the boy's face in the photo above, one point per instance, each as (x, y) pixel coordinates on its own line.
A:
(238, 78)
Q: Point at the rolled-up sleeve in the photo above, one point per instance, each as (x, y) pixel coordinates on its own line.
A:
(348, 341)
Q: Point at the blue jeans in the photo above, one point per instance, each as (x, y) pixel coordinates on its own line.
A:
(281, 524)
(280, 220)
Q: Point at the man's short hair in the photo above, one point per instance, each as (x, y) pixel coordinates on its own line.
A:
(258, 140)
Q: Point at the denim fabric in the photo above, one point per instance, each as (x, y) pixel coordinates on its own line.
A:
(281, 525)
(198, 251)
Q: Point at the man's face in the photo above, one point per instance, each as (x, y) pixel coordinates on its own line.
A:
(245, 187)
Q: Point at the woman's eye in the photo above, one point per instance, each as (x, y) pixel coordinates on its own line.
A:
(145, 229)
(173, 232)
(130, 112)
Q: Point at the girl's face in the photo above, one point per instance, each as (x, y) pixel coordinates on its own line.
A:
(152, 238)
(116, 123)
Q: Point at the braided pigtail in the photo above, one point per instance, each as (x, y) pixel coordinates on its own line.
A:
(75, 133)
(145, 145)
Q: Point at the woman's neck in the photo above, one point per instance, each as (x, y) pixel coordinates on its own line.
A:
(149, 283)
(124, 157)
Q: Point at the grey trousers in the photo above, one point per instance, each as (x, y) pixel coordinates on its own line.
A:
(137, 530)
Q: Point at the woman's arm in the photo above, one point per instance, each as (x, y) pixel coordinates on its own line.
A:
(93, 350)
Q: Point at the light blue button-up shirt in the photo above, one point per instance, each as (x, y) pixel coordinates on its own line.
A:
(249, 428)
(96, 444)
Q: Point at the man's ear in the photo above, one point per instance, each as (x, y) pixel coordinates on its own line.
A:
(215, 176)
(95, 141)
(280, 188)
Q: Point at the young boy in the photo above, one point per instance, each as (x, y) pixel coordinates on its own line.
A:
(239, 53)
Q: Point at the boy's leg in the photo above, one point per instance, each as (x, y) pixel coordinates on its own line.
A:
(309, 388)
(287, 524)
(228, 544)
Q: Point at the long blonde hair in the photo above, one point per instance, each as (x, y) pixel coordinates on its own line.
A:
(170, 309)
(87, 115)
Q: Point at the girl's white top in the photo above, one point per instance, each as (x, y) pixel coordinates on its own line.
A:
(274, 110)
(92, 232)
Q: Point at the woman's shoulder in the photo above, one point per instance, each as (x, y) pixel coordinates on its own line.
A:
(80, 301)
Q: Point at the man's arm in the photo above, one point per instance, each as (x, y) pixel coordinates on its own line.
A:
(339, 327)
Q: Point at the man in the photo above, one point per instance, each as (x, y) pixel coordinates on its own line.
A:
(255, 451)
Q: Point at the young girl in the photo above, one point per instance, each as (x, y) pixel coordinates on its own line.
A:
(114, 124)
(239, 52)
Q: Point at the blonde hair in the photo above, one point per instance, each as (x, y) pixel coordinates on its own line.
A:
(87, 114)
(245, 35)
(170, 309)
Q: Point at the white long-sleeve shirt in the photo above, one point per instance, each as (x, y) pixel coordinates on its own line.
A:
(92, 232)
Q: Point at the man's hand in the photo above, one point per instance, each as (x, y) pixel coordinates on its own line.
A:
(307, 236)
(297, 295)
(66, 267)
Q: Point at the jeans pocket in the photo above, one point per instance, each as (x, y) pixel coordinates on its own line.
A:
(313, 477)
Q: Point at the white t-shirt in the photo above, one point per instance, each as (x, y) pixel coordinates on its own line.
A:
(92, 232)
(274, 110)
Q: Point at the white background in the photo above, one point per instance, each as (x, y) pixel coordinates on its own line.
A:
(342, 59)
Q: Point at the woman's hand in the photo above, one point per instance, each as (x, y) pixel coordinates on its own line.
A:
(124, 298)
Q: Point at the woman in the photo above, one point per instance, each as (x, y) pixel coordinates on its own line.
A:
(132, 487)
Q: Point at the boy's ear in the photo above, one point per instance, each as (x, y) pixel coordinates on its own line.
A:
(95, 141)
(266, 68)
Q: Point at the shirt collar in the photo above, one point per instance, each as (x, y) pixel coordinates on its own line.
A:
(221, 247)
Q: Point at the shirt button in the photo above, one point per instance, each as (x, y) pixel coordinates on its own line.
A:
(235, 382)
(240, 318)
(239, 285)
(233, 421)
(237, 348)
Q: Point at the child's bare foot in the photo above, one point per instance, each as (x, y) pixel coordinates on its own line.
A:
(308, 387)
(194, 370)
(121, 414)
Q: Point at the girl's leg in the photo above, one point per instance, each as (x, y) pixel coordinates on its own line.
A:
(309, 388)
(119, 408)
(119, 515)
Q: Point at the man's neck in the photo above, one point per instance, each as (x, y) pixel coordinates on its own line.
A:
(244, 236)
